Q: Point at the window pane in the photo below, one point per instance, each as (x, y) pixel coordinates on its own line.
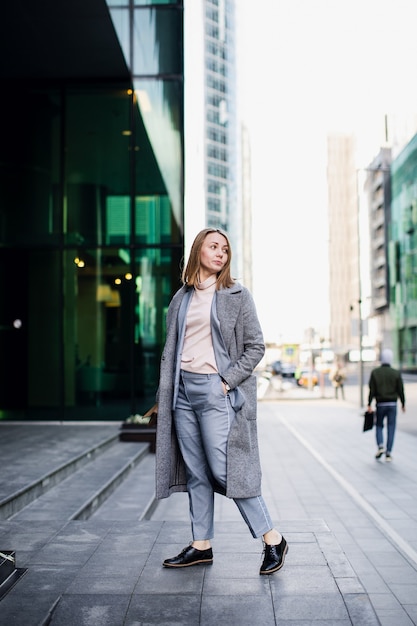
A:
(140, 2)
(98, 138)
(29, 168)
(158, 277)
(98, 325)
(157, 41)
(160, 105)
(115, 3)
(121, 23)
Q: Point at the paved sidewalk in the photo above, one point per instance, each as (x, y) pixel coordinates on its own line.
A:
(319, 465)
(350, 521)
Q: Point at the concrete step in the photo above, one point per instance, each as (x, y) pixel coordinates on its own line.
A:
(7, 564)
(9, 573)
(86, 488)
(23, 496)
(134, 499)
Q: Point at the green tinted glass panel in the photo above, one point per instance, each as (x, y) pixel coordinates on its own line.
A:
(157, 279)
(159, 105)
(153, 219)
(99, 288)
(98, 137)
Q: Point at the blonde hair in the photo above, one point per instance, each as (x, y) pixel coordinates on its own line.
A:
(192, 268)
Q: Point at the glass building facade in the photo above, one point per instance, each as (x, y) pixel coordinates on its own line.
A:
(403, 255)
(91, 204)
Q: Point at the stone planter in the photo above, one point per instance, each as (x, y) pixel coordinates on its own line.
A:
(140, 428)
(134, 432)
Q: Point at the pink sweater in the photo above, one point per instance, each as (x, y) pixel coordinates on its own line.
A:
(197, 352)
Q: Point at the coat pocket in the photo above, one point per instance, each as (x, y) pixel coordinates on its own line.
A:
(237, 399)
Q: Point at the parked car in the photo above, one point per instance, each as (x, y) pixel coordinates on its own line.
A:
(276, 368)
(287, 370)
(308, 378)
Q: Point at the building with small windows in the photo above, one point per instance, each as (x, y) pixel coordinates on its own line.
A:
(213, 178)
(378, 193)
(344, 288)
(220, 102)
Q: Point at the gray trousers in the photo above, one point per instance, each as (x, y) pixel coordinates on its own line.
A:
(203, 416)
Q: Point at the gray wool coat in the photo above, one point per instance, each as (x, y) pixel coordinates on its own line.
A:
(244, 342)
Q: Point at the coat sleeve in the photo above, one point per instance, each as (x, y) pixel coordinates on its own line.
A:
(372, 389)
(249, 340)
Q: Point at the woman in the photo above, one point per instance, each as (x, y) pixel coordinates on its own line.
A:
(206, 435)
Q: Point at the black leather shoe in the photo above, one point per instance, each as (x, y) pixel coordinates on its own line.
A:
(274, 557)
(190, 556)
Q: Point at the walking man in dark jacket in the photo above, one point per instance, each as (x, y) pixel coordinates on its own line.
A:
(386, 386)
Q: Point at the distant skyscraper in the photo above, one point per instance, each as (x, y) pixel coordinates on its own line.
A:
(343, 244)
(212, 175)
(378, 189)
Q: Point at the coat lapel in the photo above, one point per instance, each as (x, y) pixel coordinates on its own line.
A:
(228, 307)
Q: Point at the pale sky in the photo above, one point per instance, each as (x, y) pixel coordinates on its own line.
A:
(307, 68)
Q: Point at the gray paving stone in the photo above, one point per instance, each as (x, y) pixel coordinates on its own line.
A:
(26, 609)
(349, 585)
(306, 553)
(117, 578)
(405, 593)
(400, 574)
(108, 570)
(411, 610)
(306, 579)
(86, 610)
(317, 607)
(243, 610)
(394, 618)
(360, 610)
(373, 582)
(63, 554)
(384, 601)
(45, 579)
(313, 622)
(215, 585)
(163, 609)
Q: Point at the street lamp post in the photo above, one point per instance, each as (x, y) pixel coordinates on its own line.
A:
(360, 354)
(360, 327)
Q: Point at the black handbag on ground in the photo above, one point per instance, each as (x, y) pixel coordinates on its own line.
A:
(369, 419)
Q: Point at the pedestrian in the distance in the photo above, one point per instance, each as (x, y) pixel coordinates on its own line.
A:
(337, 378)
(207, 400)
(386, 387)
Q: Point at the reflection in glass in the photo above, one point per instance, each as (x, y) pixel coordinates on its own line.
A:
(97, 165)
(104, 285)
(121, 23)
(160, 106)
(157, 42)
